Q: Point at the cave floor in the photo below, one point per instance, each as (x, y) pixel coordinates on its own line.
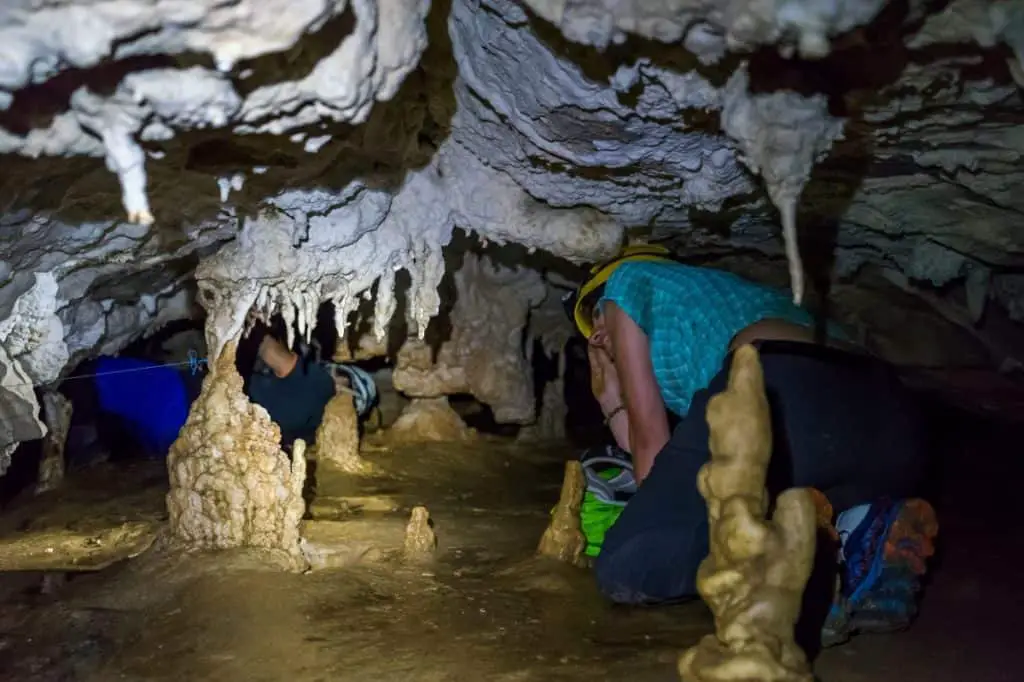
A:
(483, 609)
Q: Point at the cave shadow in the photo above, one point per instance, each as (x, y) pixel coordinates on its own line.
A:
(827, 197)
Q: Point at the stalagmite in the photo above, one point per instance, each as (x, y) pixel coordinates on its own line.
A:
(563, 540)
(57, 413)
(429, 420)
(231, 485)
(337, 437)
(754, 578)
(420, 540)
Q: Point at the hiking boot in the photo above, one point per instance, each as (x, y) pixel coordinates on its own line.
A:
(836, 629)
(884, 557)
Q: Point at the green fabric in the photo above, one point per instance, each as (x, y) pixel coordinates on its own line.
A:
(596, 517)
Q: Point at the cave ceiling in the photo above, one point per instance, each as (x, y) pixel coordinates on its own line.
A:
(286, 153)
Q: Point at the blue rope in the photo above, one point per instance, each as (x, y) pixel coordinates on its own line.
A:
(194, 363)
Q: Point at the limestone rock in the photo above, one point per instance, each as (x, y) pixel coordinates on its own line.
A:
(57, 413)
(337, 437)
(322, 150)
(484, 356)
(754, 577)
(550, 423)
(420, 540)
(390, 402)
(429, 420)
(231, 485)
(563, 540)
(709, 28)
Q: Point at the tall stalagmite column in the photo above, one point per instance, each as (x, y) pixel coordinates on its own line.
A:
(754, 578)
(231, 485)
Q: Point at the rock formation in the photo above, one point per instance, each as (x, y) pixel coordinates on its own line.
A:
(563, 539)
(420, 540)
(231, 485)
(273, 156)
(550, 424)
(428, 420)
(484, 356)
(57, 414)
(754, 577)
(337, 437)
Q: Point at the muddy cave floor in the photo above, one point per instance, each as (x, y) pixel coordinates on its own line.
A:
(485, 608)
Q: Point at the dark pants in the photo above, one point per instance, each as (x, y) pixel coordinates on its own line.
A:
(841, 423)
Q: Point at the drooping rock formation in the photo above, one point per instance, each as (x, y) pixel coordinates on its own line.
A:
(484, 356)
(231, 485)
(754, 577)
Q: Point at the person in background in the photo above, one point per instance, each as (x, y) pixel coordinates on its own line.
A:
(133, 407)
(295, 388)
(661, 335)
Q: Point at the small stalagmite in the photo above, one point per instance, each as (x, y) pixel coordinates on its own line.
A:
(420, 539)
(429, 420)
(754, 577)
(337, 437)
(563, 540)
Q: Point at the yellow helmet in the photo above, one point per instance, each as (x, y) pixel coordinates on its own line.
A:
(575, 302)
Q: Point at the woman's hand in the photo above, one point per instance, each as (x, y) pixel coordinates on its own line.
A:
(604, 379)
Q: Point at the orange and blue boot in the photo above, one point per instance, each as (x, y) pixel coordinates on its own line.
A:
(885, 548)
